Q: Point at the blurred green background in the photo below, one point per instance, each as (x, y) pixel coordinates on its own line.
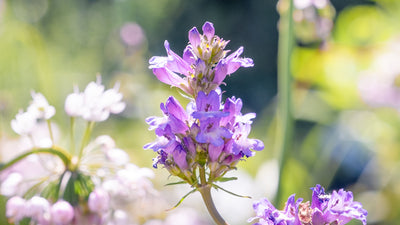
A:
(340, 140)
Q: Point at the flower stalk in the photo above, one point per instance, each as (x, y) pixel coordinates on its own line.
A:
(63, 155)
(285, 117)
(205, 191)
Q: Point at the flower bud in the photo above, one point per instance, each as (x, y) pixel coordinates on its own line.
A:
(99, 201)
(38, 207)
(15, 208)
(62, 213)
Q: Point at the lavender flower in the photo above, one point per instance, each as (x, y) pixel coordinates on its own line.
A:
(207, 131)
(209, 134)
(204, 64)
(335, 208)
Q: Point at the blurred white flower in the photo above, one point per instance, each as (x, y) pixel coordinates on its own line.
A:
(74, 103)
(40, 107)
(95, 104)
(24, 123)
(302, 4)
(9, 186)
(379, 86)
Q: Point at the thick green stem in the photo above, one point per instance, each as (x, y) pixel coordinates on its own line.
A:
(64, 156)
(285, 117)
(205, 191)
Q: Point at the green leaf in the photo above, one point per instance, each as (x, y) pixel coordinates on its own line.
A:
(175, 183)
(229, 192)
(183, 198)
(225, 179)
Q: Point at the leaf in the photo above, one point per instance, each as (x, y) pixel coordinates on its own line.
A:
(175, 183)
(229, 192)
(183, 198)
(225, 179)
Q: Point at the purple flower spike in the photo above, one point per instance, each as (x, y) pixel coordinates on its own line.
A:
(208, 133)
(337, 208)
(208, 30)
(194, 37)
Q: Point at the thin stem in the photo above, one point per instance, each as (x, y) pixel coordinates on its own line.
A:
(205, 191)
(63, 155)
(86, 138)
(51, 133)
(285, 117)
(72, 134)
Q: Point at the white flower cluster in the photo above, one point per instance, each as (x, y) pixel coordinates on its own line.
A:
(39, 109)
(120, 186)
(94, 103)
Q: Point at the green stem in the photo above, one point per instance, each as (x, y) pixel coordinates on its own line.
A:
(63, 155)
(86, 138)
(72, 135)
(285, 117)
(51, 133)
(205, 191)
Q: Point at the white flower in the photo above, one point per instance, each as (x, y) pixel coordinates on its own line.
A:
(74, 103)
(9, 186)
(24, 123)
(117, 156)
(95, 104)
(40, 107)
(302, 4)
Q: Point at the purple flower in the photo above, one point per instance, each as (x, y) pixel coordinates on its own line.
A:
(194, 37)
(203, 65)
(179, 155)
(233, 62)
(341, 208)
(267, 214)
(208, 133)
(337, 208)
(208, 30)
(244, 144)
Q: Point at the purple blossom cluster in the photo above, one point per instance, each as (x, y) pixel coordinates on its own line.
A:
(335, 208)
(209, 132)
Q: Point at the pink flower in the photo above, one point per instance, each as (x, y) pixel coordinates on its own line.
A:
(62, 213)
(99, 201)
